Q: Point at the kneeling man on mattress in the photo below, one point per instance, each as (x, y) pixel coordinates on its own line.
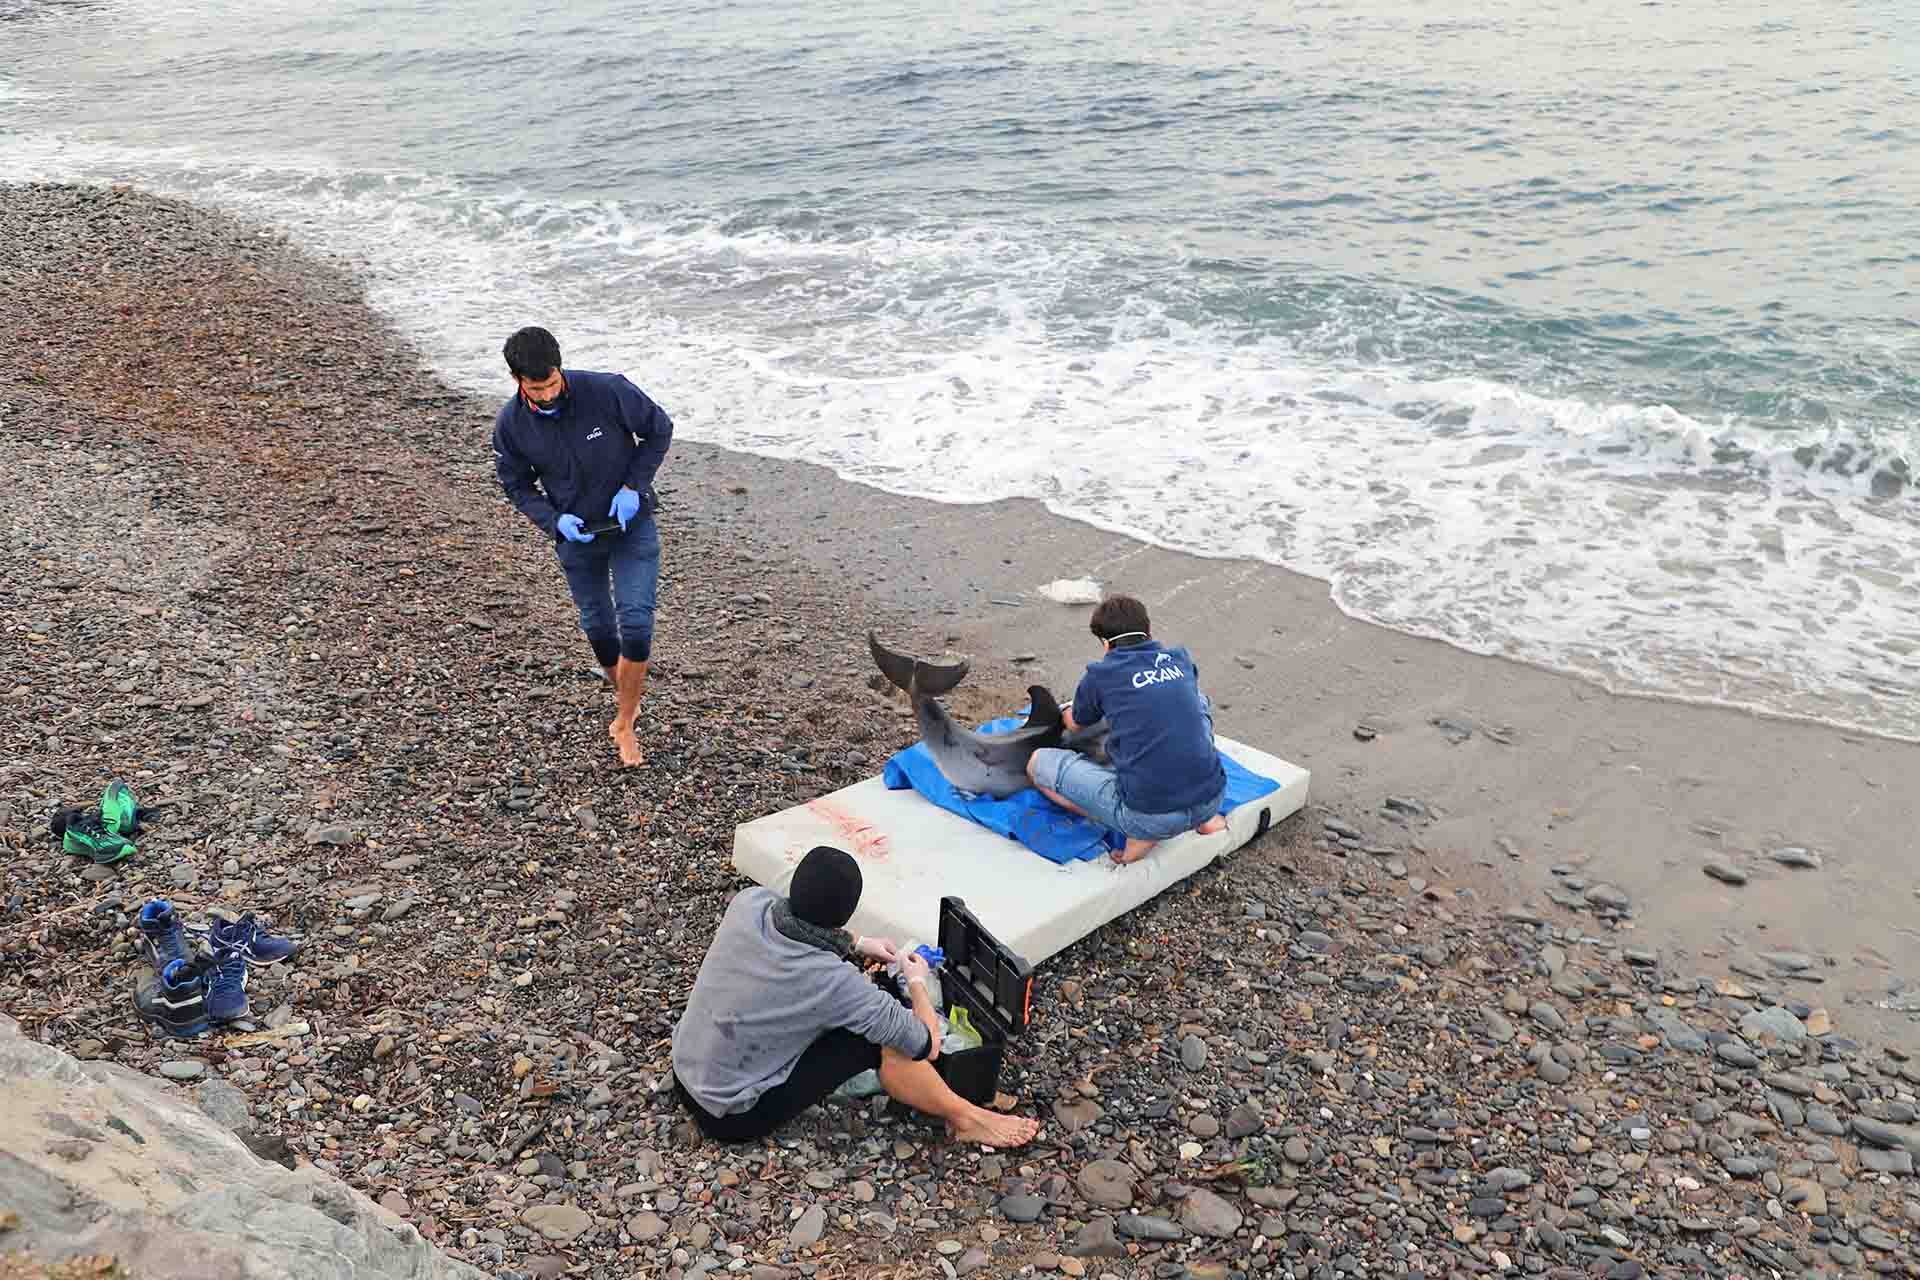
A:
(778, 1018)
(1166, 776)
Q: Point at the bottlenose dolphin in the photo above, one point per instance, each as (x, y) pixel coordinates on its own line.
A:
(992, 764)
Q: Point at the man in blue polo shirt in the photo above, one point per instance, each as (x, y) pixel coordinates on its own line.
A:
(577, 452)
(1166, 776)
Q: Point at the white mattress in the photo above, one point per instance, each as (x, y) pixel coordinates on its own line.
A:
(912, 853)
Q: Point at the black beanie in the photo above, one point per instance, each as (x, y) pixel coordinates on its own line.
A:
(826, 887)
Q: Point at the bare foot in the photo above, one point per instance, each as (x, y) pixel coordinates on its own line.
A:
(1135, 850)
(990, 1129)
(623, 737)
(1212, 826)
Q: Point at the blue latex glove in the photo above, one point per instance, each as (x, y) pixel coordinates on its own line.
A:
(571, 528)
(626, 505)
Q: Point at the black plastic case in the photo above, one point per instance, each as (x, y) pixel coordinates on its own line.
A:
(994, 984)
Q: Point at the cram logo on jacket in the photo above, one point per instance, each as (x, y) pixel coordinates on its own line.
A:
(1165, 667)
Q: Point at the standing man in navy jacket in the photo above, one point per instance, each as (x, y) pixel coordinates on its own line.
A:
(573, 450)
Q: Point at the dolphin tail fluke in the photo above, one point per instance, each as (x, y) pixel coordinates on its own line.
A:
(1045, 712)
(927, 679)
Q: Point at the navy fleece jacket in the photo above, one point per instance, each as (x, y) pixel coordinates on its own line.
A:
(607, 434)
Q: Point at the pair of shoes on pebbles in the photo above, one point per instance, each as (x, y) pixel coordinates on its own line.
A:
(203, 972)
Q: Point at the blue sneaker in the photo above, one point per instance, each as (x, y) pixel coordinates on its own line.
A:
(176, 1001)
(161, 936)
(227, 985)
(246, 934)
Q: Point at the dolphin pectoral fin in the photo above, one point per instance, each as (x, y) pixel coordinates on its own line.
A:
(1045, 712)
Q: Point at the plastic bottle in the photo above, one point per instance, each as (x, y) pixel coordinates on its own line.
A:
(962, 1034)
(934, 958)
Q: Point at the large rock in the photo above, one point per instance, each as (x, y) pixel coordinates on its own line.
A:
(1206, 1214)
(144, 1174)
(1107, 1183)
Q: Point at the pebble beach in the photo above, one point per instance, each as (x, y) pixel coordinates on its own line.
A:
(258, 567)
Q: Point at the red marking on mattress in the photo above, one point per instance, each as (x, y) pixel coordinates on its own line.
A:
(863, 839)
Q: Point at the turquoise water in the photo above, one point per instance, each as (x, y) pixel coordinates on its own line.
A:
(1585, 335)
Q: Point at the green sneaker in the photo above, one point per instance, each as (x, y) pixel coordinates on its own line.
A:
(119, 813)
(87, 836)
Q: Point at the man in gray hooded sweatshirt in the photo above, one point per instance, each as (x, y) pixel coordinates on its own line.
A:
(778, 1018)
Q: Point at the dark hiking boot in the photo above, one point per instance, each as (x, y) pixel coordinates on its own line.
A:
(176, 1001)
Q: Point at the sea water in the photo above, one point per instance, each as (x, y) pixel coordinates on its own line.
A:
(1581, 334)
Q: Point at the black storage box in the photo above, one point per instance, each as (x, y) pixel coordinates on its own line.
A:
(996, 988)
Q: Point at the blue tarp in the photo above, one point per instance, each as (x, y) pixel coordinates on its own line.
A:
(1031, 818)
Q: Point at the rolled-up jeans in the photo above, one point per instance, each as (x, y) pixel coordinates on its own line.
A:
(1095, 788)
(614, 581)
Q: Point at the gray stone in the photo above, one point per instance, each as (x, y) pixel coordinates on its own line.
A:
(319, 834)
(808, 1230)
(1244, 1121)
(183, 1069)
(1553, 1071)
(1608, 898)
(1107, 1183)
(1296, 1150)
(1891, 1136)
(1732, 1051)
(1097, 1240)
(1193, 1053)
(1822, 1121)
(1547, 1016)
(1022, 1208)
(161, 1173)
(223, 1103)
(1075, 1114)
(1776, 1023)
(405, 862)
(1877, 1238)
(1795, 856)
(1787, 961)
(1886, 1161)
(1499, 1029)
(1142, 1227)
(1678, 1034)
(1723, 871)
(396, 910)
(646, 1226)
(1206, 1214)
(560, 1223)
(971, 1261)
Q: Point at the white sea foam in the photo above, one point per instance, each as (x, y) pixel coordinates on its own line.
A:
(966, 366)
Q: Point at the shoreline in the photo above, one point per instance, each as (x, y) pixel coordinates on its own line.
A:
(340, 664)
(1642, 793)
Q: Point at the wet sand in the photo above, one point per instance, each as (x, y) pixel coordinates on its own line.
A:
(1556, 773)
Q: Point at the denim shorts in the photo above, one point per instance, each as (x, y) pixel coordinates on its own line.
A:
(1096, 789)
(614, 581)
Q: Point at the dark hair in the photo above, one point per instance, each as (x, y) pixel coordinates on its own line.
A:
(531, 353)
(1118, 616)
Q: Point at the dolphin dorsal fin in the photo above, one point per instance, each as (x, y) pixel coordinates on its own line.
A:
(1045, 712)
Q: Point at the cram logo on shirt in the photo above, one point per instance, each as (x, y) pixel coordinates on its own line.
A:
(1165, 667)
(596, 433)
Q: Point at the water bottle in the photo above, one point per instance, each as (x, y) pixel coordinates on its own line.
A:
(934, 958)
